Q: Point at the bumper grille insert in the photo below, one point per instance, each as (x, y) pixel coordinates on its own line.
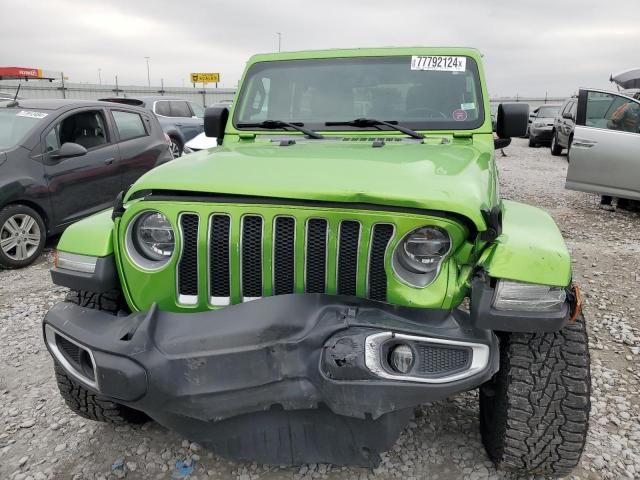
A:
(251, 253)
(219, 260)
(316, 256)
(284, 255)
(188, 264)
(348, 257)
(377, 276)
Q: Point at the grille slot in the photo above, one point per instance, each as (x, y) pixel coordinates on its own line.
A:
(316, 256)
(284, 255)
(438, 360)
(77, 357)
(251, 254)
(348, 257)
(219, 268)
(188, 265)
(377, 279)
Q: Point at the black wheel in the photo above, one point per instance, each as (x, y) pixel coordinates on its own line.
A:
(176, 147)
(22, 236)
(555, 148)
(534, 414)
(92, 406)
(80, 400)
(532, 142)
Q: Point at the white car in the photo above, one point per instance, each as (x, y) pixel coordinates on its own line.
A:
(200, 142)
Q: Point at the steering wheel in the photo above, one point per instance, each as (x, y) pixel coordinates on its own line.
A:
(427, 110)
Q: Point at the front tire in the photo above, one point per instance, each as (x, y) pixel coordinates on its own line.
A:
(22, 236)
(534, 414)
(80, 400)
(176, 147)
(555, 148)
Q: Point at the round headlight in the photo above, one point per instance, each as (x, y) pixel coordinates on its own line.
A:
(423, 249)
(153, 236)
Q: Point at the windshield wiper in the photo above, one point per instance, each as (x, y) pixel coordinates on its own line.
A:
(274, 124)
(372, 122)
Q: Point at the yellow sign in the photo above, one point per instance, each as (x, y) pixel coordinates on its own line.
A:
(205, 77)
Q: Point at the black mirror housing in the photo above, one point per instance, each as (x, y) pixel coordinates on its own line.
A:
(215, 121)
(513, 119)
(69, 150)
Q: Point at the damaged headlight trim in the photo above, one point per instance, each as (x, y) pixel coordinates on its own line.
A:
(419, 255)
(528, 297)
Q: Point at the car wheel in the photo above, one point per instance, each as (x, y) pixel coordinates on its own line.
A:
(22, 236)
(534, 413)
(555, 148)
(532, 142)
(176, 147)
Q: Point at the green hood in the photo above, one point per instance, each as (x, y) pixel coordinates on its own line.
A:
(454, 177)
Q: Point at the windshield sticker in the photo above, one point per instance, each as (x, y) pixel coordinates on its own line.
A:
(468, 106)
(438, 63)
(459, 115)
(26, 113)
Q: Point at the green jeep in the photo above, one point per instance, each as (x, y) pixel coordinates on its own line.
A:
(341, 258)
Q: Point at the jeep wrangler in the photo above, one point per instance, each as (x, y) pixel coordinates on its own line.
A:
(342, 257)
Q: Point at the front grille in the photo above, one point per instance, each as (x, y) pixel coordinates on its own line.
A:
(188, 265)
(439, 360)
(247, 256)
(348, 258)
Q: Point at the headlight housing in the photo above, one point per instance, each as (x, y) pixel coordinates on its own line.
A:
(538, 124)
(420, 253)
(151, 239)
(528, 297)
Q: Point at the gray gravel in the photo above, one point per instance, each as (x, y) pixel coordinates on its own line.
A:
(40, 439)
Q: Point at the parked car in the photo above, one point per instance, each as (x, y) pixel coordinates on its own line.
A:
(541, 124)
(606, 146)
(292, 297)
(200, 142)
(563, 125)
(180, 119)
(61, 160)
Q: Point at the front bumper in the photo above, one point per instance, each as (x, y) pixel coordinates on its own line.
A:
(210, 374)
(541, 134)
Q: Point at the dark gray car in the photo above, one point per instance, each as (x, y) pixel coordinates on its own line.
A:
(541, 124)
(180, 119)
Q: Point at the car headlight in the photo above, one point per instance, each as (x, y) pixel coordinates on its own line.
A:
(419, 254)
(538, 124)
(528, 297)
(151, 239)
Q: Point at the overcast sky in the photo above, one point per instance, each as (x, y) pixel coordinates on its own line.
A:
(529, 48)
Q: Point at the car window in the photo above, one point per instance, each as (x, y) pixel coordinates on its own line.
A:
(16, 124)
(86, 128)
(162, 108)
(52, 139)
(573, 109)
(547, 112)
(198, 111)
(180, 109)
(613, 112)
(129, 124)
(566, 107)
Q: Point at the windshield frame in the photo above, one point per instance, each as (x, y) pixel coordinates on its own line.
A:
(426, 126)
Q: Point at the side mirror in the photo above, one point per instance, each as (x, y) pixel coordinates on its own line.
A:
(513, 119)
(215, 121)
(69, 150)
(567, 115)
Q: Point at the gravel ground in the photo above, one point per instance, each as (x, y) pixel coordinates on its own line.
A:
(40, 438)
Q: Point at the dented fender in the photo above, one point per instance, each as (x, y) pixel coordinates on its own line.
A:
(529, 249)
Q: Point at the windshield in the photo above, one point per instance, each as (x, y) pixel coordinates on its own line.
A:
(397, 88)
(548, 112)
(15, 124)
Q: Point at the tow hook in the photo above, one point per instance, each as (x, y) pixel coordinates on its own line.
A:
(575, 299)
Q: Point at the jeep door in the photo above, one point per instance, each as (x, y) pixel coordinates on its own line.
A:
(80, 185)
(605, 155)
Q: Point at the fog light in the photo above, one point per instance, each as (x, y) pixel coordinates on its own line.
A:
(401, 358)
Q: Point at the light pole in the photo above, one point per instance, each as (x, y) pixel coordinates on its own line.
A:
(100, 76)
(148, 77)
(279, 40)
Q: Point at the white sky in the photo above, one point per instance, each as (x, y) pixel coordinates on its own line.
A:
(530, 47)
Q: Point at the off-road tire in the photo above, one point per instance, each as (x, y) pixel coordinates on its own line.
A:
(92, 406)
(80, 400)
(534, 414)
(556, 149)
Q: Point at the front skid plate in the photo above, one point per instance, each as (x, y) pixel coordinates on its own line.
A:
(279, 437)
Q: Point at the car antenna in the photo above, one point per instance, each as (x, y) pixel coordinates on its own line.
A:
(14, 102)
